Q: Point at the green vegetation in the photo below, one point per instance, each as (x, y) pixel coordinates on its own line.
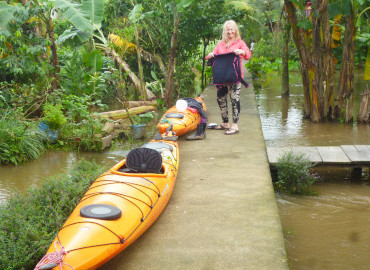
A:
(63, 61)
(294, 175)
(30, 222)
(20, 139)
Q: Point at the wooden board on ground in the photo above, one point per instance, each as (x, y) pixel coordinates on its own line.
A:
(310, 152)
(357, 153)
(333, 154)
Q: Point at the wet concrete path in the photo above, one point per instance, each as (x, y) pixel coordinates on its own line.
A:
(223, 213)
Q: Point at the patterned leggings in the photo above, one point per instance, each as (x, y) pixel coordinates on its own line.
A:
(234, 93)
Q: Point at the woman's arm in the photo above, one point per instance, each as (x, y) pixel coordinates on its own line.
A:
(247, 53)
(215, 51)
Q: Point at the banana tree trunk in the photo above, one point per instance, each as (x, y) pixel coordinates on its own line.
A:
(304, 51)
(134, 79)
(344, 107)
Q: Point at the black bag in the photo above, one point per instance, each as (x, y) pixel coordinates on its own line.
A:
(226, 69)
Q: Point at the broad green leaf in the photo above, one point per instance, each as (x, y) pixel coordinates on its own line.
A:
(73, 37)
(154, 76)
(93, 60)
(6, 15)
(94, 9)
(346, 7)
(73, 13)
(135, 13)
(334, 9)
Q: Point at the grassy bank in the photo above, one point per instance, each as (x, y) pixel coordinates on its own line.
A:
(29, 222)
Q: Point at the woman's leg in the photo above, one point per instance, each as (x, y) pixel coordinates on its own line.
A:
(234, 93)
(222, 102)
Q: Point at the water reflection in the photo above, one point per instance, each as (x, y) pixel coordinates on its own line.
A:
(283, 123)
(20, 178)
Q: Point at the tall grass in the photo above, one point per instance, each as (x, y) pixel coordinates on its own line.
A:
(29, 222)
(20, 139)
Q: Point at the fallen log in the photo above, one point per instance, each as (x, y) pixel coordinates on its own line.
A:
(139, 103)
(122, 114)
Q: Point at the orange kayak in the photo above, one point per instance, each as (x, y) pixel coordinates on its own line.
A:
(182, 121)
(118, 207)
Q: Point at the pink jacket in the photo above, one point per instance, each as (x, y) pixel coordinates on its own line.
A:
(238, 44)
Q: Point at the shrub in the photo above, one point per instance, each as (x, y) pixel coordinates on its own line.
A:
(20, 140)
(294, 176)
(29, 223)
(54, 117)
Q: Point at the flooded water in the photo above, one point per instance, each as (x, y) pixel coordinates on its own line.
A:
(283, 123)
(20, 178)
(330, 230)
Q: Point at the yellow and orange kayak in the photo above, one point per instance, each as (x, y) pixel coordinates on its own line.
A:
(123, 205)
(182, 121)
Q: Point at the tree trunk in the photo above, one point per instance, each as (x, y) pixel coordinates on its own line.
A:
(205, 44)
(285, 57)
(140, 64)
(168, 99)
(304, 51)
(344, 107)
(317, 68)
(134, 79)
(53, 48)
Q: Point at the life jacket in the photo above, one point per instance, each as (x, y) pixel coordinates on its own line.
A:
(226, 69)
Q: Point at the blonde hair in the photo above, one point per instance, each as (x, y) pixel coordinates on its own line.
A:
(224, 30)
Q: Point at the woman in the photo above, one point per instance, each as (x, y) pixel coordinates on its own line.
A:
(231, 42)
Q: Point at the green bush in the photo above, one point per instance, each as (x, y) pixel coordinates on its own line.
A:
(294, 176)
(20, 139)
(54, 117)
(29, 222)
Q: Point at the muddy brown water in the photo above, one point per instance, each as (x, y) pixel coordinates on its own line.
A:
(330, 230)
(327, 231)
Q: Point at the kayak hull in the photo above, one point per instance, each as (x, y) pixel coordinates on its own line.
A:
(183, 125)
(141, 197)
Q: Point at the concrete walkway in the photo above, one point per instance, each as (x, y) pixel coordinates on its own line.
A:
(223, 213)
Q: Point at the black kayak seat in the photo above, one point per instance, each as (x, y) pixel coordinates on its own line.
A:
(101, 211)
(175, 115)
(159, 146)
(144, 160)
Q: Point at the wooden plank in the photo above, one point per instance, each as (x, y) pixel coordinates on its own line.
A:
(310, 152)
(333, 154)
(273, 153)
(357, 153)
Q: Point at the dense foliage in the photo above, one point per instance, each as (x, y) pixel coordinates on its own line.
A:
(29, 222)
(20, 139)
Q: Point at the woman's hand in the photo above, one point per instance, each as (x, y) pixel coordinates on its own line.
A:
(239, 51)
(211, 55)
